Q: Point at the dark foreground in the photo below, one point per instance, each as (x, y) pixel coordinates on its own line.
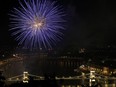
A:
(42, 83)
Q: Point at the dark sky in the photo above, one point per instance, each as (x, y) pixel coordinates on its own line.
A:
(91, 23)
(5, 37)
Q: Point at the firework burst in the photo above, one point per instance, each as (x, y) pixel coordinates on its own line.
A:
(37, 23)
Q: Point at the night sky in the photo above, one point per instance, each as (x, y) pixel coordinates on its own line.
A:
(90, 23)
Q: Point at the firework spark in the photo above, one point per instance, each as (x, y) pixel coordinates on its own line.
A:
(37, 23)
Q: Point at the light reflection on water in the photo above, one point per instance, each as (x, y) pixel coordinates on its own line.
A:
(103, 85)
(36, 66)
(78, 83)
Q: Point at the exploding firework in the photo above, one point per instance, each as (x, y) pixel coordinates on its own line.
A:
(37, 23)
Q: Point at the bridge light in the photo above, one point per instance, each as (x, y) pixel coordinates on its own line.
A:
(17, 79)
(92, 77)
(25, 77)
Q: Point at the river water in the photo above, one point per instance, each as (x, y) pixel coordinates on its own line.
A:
(60, 67)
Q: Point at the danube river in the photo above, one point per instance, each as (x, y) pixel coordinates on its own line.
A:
(58, 67)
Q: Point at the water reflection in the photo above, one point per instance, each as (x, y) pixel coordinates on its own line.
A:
(40, 66)
(103, 85)
(51, 66)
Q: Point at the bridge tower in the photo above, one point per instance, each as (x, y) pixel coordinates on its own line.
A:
(25, 77)
(92, 78)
